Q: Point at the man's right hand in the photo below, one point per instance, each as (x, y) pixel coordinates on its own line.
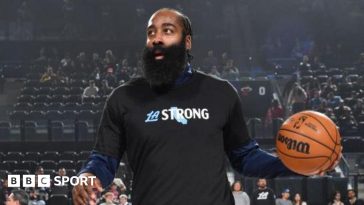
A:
(81, 193)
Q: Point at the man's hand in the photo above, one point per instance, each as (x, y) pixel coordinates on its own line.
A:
(81, 193)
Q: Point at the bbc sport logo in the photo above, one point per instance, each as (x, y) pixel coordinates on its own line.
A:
(45, 180)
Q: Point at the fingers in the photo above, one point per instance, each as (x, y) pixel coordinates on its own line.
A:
(80, 195)
(98, 185)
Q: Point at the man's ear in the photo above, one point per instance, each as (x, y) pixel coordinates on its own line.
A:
(188, 42)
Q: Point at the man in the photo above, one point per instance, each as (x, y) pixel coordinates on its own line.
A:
(123, 200)
(18, 197)
(108, 196)
(91, 90)
(285, 198)
(352, 199)
(263, 195)
(176, 126)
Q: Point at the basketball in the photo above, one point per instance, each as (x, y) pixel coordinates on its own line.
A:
(309, 143)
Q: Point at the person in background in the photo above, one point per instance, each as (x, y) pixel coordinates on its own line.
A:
(17, 197)
(240, 197)
(352, 198)
(297, 200)
(336, 199)
(285, 198)
(263, 195)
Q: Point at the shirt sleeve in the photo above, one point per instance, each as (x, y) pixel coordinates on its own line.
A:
(235, 131)
(244, 153)
(110, 139)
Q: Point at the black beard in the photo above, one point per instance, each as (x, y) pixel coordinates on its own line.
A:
(162, 74)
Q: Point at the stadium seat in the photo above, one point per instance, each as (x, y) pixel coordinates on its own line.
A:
(9, 165)
(23, 106)
(61, 91)
(17, 116)
(58, 199)
(43, 99)
(74, 98)
(28, 164)
(51, 172)
(50, 155)
(56, 105)
(68, 155)
(80, 164)
(53, 115)
(28, 91)
(67, 164)
(26, 99)
(76, 91)
(36, 115)
(83, 155)
(45, 91)
(39, 106)
(81, 131)
(32, 156)
(4, 130)
(71, 172)
(16, 156)
(57, 130)
(20, 171)
(48, 164)
(30, 131)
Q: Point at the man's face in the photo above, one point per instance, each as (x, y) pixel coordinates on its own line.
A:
(351, 194)
(165, 29)
(10, 200)
(262, 183)
(164, 55)
(285, 195)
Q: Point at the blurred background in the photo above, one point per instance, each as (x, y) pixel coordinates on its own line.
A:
(59, 59)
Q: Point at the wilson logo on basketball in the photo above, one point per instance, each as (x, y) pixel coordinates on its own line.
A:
(291, 144)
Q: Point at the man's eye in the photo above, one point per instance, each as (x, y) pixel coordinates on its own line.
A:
(168, 31)
(150, 33)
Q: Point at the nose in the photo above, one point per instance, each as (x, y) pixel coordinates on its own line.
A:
(158, 40)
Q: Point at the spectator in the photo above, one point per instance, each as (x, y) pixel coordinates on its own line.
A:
(209, 61)
(96, 75)
(114, 190)
(108, 197)
(34, 199)
(223, 60)
(298, 200)
(4, 191)
(358, 108)
(352, 198)
(316, 100)
(109, 59)
(230, 71)
(90, 91)
(274, 111)
(240, 197)
(330, 113)
(96, 61)
(214, 71)
(297, 99)
(333, 100)
(110, 77)
(347, 122)
(336, 199)
(123, 200)
(82, 64)
(317, 65)
(263, 195)
(285, 198)
(18, 197)
(67, 64)
(305, 65)
(105, 89)
(49, 76)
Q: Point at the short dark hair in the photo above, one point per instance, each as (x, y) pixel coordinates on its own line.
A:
(21, 196)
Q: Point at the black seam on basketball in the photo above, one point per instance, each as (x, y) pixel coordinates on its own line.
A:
(307, 137)
(322, 126)
(301, 157)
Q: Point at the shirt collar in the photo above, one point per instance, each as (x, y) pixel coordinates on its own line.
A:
(185, 76)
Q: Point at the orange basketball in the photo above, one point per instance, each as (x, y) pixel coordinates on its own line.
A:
(308, 143)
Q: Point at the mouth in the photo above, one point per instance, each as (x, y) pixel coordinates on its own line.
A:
(158, 55)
